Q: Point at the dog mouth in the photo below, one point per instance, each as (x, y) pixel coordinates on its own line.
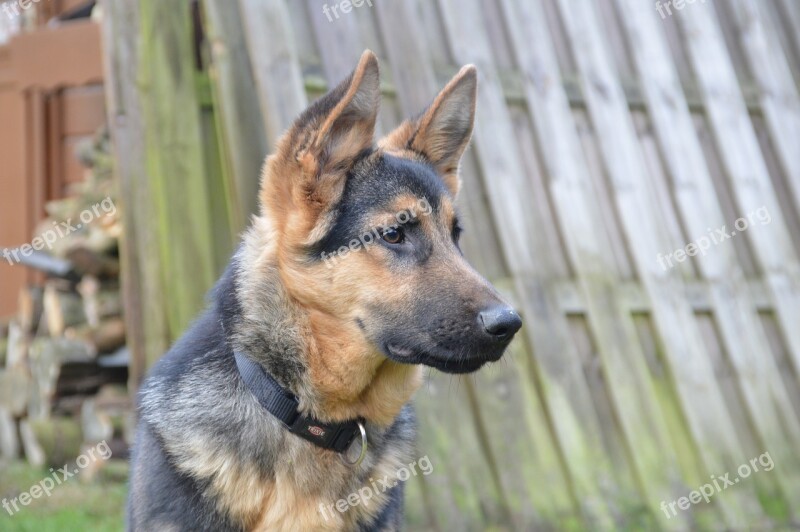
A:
(446, 364)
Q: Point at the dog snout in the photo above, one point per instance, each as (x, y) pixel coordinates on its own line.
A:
(500, 322)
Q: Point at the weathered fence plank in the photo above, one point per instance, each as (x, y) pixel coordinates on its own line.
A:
(494, 140)
(633, 394)
(744, 164)
(174, 150)
(779, 99)
(673, 315)
(732, 306)
(241, 130)
(273, 55)
(142, 283)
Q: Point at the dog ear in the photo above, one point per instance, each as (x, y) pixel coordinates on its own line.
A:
(311, 162)
(442, 132)
(341, 125)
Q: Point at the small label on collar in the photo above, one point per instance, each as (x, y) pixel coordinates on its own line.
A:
(316, 431)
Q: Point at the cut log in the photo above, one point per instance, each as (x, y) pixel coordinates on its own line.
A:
(94, 464)
(30, 306)
(9, 443)
(79, 379)
(62, 309)
(34, 453)
(100, 300)
(113, 398)
(90, 262)
(114, 401)
(68, 209)
(97, 240)
(96, 423)
(107, 336)
(17, 350)
(60, 439)
(48, 356)
(14, 389)
(88, 289)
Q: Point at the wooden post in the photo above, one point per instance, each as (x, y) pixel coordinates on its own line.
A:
(142, 284)
(174, 158)
(176, 199)
(235, 100)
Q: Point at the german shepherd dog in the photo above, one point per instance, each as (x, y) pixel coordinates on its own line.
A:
(344, 338)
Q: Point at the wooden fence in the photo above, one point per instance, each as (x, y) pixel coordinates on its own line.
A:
(610, 134)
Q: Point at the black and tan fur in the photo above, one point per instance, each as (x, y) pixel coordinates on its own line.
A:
(347, 340)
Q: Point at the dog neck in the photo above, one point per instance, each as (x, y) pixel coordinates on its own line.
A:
(334, 372)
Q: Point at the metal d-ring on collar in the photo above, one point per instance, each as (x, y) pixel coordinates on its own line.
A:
(363, 452)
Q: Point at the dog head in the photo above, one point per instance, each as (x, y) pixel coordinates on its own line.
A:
(367, 236)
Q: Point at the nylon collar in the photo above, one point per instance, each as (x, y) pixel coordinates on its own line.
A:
(283, 405)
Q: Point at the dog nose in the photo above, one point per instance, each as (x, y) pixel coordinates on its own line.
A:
(501, 322)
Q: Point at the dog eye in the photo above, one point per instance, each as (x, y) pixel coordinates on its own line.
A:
(457, 230)
(393, 235)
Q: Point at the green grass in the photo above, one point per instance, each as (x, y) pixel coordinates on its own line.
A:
(72, 506)
(99, 506)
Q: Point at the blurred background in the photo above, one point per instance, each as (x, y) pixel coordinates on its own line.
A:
(633, 186)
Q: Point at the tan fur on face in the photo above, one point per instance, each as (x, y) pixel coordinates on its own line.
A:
(350, 376)
(347, 376)
(301, 183)
(447, 213)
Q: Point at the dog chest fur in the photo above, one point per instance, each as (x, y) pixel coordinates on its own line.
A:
(210, 432)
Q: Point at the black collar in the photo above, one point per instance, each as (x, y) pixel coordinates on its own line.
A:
(283, 405)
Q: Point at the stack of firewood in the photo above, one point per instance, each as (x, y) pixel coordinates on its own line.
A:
(63, 360)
